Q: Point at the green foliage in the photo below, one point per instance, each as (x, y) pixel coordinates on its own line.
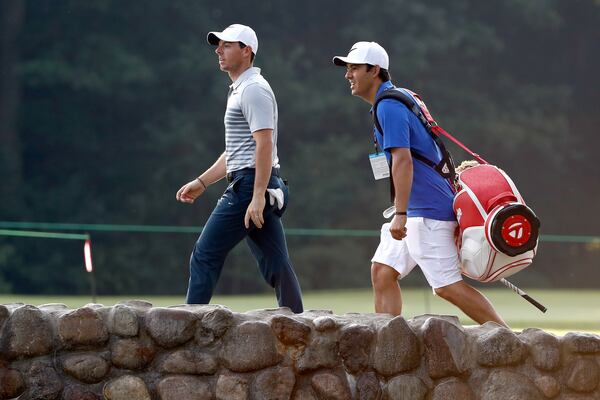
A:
(122, 103)
(7, 255)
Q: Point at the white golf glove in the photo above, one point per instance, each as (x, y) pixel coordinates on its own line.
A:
(276, 195)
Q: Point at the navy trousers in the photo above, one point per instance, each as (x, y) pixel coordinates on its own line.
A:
(225, 229)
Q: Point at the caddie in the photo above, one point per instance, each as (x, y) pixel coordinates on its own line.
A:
(422, 231)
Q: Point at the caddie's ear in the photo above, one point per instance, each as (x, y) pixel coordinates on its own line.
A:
(375, 71)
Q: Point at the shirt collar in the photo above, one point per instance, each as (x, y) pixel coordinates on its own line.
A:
(384, 86)
(244, 76)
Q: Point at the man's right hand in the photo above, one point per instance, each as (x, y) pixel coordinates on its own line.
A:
(190, 191)
(398, 227)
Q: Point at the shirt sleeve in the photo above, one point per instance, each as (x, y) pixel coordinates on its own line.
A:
(258, 107)
(393, 118)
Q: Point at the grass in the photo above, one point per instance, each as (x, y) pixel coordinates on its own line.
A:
(568, 310)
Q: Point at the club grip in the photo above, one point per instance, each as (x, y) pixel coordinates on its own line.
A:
(535, 303)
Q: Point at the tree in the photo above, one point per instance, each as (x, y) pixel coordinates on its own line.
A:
(11, 21)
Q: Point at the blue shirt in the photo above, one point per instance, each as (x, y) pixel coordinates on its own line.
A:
(431, 195)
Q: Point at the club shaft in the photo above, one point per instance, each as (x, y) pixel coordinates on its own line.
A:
(524, 295)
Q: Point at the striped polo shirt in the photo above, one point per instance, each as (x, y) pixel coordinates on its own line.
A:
(251, 106)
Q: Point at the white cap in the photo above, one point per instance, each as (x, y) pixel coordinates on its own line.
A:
(365, 53)
(235, 33)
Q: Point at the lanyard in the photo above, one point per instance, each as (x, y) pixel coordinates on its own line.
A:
(375, 144)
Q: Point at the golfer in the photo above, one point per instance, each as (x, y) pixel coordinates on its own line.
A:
(422, 230)
(256, 197)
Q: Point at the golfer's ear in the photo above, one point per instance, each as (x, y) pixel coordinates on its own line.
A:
(248, 51)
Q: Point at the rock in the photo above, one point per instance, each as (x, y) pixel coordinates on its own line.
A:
(218, 321)
(141, 305)
(355, 347)
(330, 387)
(578, 396)
(126, 388)
(184, 387)
(304, 393)
(73, 392)
(232, 387)
(266, 314)
(317, 313)
(11, 383)
(585, 343)
(499, 347)
(548, 386)
(445, 348)
(13, 306)
(290, 331)
(94, 306)
(249, 346)
(88, 368)
(42, 383)
(406, 387)
(323, 324)
(4, 315)
(543, 347)
(203, 336)
(189, 362)
(123, 321)
(132, 353)
(170, 327)
(452, 389)
(368, 387)
(396, 349)
(507, 385)
(27, 333)
(53, 307)
(583, 375)
(321, 353)
(418, 321)
(276, 383)
(83, 326)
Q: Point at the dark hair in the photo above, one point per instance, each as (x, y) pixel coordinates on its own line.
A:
(242, 45)
(384, 74)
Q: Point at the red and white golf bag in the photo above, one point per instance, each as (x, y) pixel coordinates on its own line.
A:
(499, 232)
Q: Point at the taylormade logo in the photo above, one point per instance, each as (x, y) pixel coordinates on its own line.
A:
(516, 230)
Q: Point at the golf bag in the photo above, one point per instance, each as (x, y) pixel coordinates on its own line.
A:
(499, 232)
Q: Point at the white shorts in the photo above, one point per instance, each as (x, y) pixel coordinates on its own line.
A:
(428, 243)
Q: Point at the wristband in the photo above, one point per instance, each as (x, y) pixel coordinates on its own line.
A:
(400, 213)
(201, 182)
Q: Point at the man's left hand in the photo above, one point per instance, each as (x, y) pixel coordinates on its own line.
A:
(398, 227)
(255, 212)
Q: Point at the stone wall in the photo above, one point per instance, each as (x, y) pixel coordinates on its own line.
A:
(132, 352)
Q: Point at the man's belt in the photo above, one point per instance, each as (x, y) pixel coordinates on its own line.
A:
(248, 171)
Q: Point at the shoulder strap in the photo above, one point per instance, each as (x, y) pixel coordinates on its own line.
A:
(413, 102)
(396, 94)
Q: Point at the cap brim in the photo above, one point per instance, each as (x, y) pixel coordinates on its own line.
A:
(340, 61)
(212, 38)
